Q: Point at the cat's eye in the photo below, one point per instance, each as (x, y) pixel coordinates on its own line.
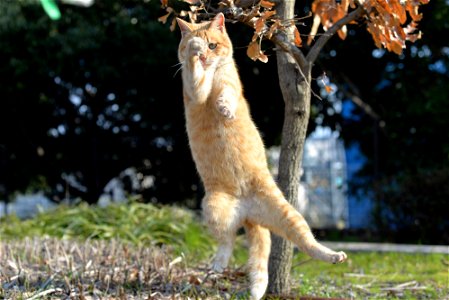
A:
(212, 46)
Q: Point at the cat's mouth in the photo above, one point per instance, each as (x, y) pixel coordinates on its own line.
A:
(203, 60)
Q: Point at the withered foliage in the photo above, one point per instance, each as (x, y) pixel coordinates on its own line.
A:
(391, 23)
(48, 268)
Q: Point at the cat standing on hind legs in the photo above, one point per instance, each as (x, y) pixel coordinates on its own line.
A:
(229, 155)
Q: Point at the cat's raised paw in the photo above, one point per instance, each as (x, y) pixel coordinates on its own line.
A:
(339, 257)
(225, 111)
(225, 104)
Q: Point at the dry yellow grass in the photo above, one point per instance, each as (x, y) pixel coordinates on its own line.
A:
(47, 268)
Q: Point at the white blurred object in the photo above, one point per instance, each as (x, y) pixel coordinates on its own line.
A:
(322, 191)
(27, 205)
(85, 3)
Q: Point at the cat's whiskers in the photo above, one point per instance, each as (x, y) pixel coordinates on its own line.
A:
(179, 69)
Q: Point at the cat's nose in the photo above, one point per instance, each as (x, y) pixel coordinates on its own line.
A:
(202, 57)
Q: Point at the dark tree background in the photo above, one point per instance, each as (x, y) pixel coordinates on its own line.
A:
(403, 128)
(96, 92)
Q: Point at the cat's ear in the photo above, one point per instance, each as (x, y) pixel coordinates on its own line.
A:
(218, 22)
(184, 26)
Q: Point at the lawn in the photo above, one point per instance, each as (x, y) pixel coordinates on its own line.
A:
(140, 251)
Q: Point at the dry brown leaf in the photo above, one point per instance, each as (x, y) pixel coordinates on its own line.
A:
(328, 89)
(268, 14)
(413, 11)
(298, 41)
(352, 4)
(259, 25)
(253, 50)
(410, 32)
(345, 4)
(195, 280)
(375, 34)
(164, 3)
(192, 16)
(342, 32)
(396, 47)
(266, 4)
(255, 53)
(414, 37)
(163, 19)
(192, 2)
(386, 23)
(262, 57)
(173, 25)
(255, 37)
(328, 12)
(326, 9)
(399, 32)
(399, 10)
(253, 13)
(273, 28)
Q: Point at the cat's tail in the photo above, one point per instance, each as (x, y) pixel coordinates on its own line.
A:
(275, 213)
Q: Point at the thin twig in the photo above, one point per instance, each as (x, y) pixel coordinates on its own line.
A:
(46, 292)
(358, 275)
(319, 44)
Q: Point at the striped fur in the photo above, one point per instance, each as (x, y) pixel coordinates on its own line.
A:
(230, 157)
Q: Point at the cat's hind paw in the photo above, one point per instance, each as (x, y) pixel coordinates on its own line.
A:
(339, 257)
(218, 266)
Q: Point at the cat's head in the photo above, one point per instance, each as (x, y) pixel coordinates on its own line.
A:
(206, 42)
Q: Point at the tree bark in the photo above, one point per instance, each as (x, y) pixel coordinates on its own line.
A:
(294, 71)
(295, 87)
(296, 94)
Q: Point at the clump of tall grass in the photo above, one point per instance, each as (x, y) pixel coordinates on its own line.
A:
(138, 223)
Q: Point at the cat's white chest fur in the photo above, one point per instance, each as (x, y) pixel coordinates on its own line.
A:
(198, 83)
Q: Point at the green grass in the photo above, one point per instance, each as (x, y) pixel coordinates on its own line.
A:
(136, 223)
(375, 275)
(134, 229)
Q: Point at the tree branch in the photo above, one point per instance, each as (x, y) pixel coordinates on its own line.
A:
(279, 39)
(319, 44)
(353, 93)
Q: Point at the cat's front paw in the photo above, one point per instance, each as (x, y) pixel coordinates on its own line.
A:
(225, 108)
(339, 257)
(226, 112)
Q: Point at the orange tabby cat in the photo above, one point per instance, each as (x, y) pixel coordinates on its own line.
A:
(230, 157)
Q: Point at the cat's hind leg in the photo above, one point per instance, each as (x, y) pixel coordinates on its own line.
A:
(274, 212)
(259, 251)
(221, 214)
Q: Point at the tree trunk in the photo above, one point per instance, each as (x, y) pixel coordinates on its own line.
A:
(296, 93)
